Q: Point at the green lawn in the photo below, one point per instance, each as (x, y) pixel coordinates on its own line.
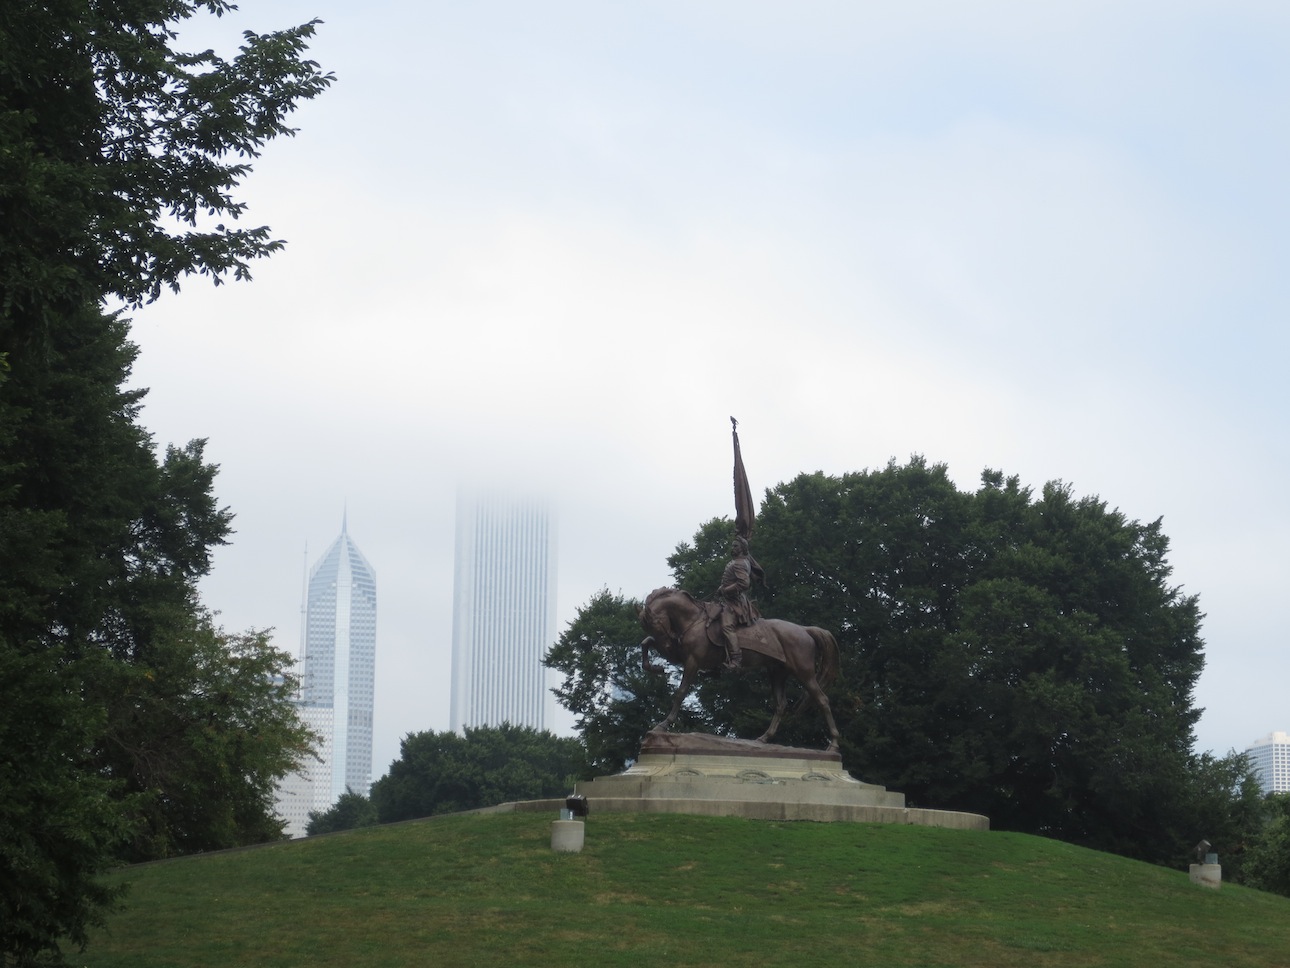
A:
(678, 891)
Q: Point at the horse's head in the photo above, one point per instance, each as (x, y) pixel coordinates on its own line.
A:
(667, 611)
(654, 617)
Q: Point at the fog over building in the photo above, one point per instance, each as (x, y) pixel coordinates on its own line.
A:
(337, 682)
(503, 613)
(1270, 758)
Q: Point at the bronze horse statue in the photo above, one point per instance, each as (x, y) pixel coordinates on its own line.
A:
(681, 629)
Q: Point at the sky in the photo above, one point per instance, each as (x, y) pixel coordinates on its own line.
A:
(559, 244)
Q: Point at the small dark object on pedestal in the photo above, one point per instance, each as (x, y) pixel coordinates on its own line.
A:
(577, 805)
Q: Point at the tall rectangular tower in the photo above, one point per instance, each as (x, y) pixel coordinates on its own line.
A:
(340, 663)
(503, 610)
(1270, 758)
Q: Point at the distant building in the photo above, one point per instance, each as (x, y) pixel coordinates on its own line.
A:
(310, 788)
(1270, 757)
(337, 684)
(503, 611)
(340, 658)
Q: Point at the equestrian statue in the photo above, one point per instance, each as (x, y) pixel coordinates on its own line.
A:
(729, 634)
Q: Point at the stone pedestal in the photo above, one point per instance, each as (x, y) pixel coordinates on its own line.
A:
(568, 836)
(717, 776)
(1206, 875)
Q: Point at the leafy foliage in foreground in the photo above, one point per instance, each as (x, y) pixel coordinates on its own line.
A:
(130, 725)
(682, 891)
(123, 154)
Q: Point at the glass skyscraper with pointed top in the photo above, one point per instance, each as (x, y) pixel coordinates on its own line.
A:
(503, 610)
(337, 684)
(340, 661)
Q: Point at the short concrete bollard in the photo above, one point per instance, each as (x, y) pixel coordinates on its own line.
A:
(567, 836)
(1206, 875)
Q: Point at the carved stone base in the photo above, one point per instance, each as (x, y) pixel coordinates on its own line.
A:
(661, 743)
(716, 776)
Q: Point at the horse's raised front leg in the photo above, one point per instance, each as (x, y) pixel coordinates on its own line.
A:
(778, 678)
(645, 662)
(687, 680)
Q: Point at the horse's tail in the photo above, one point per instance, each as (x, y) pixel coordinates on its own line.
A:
(827, 662)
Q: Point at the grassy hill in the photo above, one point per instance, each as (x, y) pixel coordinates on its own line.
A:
(681, 891)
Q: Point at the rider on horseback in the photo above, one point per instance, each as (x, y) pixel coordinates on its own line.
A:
(732, 595)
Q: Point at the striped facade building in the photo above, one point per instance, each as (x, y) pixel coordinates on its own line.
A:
(503, 613)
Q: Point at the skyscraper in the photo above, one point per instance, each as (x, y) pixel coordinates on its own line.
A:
(503, 610)
(337, 685)
(340, 659)
(1270, 758)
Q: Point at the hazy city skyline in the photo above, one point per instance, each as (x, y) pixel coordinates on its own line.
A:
(1045, 240)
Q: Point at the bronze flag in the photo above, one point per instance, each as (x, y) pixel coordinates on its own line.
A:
(745, 510)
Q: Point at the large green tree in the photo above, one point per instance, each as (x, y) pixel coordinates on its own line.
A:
(447, 772)
(119, 160)
(1019, 655)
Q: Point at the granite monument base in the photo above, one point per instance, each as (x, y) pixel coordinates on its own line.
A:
(696, 773)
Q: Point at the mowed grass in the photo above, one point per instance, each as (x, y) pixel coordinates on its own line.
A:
(679, 891)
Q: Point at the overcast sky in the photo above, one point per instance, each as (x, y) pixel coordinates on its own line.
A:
(561, 243)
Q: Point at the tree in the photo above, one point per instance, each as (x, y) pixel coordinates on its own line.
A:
(198, 733)
(59, 820)
(1223, 803)
(99, 542)
(615, 699)
(119, 158)
(123, 153)
(1021, 657)
(1267, 859)
(445, 772)
(352, 810)
(1015, 655)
